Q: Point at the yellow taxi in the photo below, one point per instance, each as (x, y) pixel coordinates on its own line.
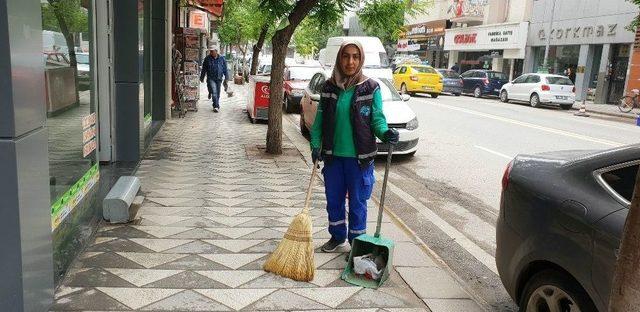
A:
(415, 78)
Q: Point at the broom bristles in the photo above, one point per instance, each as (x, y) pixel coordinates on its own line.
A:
(294, 256)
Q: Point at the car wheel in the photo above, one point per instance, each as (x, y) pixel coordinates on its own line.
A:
(534, 100)
(566, 106)
(477, 92)
(434, 95)
(403, 89)
(288, 108)
(303, 127)
(504, 97)
(456, 94)
(552, 290)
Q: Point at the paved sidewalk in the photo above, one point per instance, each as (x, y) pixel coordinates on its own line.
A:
(215, 206)
(607, 109)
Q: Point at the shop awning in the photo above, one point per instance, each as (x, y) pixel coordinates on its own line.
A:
(213, 7)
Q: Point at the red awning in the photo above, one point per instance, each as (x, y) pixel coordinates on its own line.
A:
(212, 6)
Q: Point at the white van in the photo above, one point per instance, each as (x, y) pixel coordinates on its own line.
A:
(376, 62)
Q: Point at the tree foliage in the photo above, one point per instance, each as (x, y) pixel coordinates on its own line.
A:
(385, 18)
(75, 16)
(636, 21)
(312, 35)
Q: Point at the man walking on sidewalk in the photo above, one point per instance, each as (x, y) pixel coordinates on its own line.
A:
(215, 67)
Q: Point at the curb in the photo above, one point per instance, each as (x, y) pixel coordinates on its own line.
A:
(403, 226)
(611, 114)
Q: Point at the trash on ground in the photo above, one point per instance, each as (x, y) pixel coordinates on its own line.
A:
(369, 266)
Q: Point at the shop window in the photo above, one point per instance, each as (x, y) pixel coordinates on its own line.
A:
(71, 118)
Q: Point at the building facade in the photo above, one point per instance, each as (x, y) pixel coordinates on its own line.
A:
(488, 35)
(79, 104)
(588, 42)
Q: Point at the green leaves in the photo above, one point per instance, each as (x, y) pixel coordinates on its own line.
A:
(74, 15)
(385, 18)
(312, 34)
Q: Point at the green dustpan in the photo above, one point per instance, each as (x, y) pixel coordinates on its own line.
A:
(376, 245)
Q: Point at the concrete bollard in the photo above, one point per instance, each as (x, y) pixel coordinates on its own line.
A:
(583, 110)
(115, 206)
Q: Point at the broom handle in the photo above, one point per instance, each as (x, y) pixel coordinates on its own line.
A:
(313, 178)
(384, 189)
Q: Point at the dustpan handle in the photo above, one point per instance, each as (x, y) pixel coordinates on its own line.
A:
(310, 188)
(384, 189)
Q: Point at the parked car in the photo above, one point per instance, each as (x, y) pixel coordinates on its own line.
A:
(559, 228)
(376, 60)
(481, 82)
(399, 115)
(452, 83)
(540, 89)
(413, 78)
(84, 69)
(296, 79)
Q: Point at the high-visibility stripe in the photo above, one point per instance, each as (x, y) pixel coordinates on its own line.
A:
(337, 222)
(364, 98)
(365, 156)
(329, 95)
(357, 231)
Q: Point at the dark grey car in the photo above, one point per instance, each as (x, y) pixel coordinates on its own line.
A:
(560, 223)
(452, 83)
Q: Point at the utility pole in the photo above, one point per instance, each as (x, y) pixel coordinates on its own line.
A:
(545, 64)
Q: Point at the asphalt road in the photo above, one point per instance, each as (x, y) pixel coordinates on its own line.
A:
(448, 193)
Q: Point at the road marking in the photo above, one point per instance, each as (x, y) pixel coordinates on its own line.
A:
(485, 258)
(530, 125)
(494, 152)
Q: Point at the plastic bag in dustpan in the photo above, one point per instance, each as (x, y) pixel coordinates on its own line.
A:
(377, 246)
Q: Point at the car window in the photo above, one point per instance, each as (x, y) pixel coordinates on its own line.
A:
(479, 74)
(397, 71)
(403, 70)
(312, 83)
(424, 70)
(497, 75)
(556, 80)
(449, 74)
(521, 79)
(622, 180)
(388, 91)
(533, 79)
(467, 74)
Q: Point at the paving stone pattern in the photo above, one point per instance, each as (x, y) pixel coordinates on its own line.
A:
(215, 206)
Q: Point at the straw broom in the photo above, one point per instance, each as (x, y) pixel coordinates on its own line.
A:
(294, 256)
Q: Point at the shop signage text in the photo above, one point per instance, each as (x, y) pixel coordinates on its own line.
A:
(465, 38)
(434, 28)
(580, 32)
(500, 36)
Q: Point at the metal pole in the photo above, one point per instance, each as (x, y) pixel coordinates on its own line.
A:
(546, 48)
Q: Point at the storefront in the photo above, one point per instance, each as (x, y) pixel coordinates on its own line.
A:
(426, 40)
(499, 47)
(593, 51)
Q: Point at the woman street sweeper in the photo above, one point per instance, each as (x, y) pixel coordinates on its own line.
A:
(348, 120)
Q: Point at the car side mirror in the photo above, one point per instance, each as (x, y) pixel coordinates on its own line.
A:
(405, 97)
(315, 97)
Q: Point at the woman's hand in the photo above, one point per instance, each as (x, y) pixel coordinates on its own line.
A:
(316, 155)
(392, 136)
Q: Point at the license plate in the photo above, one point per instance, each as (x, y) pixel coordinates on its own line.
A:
(428, 88)
(559, 97)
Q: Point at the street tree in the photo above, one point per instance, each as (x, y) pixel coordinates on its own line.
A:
(625, 292)
(67, 17)
(312, 35)
(238, 25)
(293, 13)
(385, 18)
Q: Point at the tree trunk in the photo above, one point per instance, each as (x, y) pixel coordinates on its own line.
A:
(280, 42)
(625, 291)
(257, 48)
(68, 37)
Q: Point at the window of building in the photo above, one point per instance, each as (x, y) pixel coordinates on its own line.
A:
(70, 107)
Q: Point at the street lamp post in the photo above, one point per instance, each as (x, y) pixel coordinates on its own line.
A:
(548, 43)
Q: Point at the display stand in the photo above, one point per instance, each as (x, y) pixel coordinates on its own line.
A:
(188, 43)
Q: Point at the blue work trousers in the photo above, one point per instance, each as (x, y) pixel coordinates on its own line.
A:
(342, 175)
(213, 86)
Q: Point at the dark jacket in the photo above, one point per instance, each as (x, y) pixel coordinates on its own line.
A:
(362, 102)
(214, 68)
